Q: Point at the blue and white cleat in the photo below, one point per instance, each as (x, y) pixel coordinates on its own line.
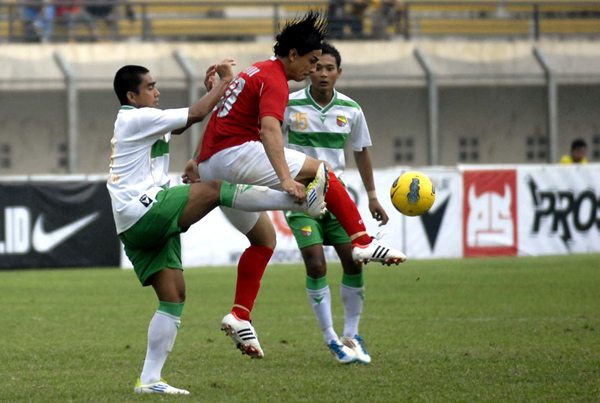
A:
(159, 387)
(357, 344)
(341, 353)
(316, 191)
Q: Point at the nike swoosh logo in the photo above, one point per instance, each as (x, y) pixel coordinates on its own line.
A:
(46, 241)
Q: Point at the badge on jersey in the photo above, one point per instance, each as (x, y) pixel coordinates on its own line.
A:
(307, 230)
(145, 200)
(341, 121)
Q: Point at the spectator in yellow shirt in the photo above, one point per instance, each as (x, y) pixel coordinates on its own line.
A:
(578, 151)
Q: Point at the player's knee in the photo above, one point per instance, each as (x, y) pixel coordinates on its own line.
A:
(316, 266)
(316, 270)
(212, 191)
(181, 296)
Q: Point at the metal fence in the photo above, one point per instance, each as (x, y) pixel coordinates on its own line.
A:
(116, 20)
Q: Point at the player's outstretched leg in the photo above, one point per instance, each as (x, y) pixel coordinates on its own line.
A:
(159, 387)
(243, 335)
(377, 252)
(261, 198)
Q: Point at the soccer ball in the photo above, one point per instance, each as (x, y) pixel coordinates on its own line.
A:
(412, 193)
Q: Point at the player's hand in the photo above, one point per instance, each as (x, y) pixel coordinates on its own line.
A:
(296, 189)
(378, 212)
(210, 80)
(191, 173)
(225, 69)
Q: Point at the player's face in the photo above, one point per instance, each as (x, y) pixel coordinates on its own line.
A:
(148, 94)
(326, 73)
(302, 66)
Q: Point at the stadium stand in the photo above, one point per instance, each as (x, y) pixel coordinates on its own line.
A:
(248, 19)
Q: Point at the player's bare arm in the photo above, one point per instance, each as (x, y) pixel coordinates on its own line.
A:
(272, 139)
(365, 168)
(205, 105)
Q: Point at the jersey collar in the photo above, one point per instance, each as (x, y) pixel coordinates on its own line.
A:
(127, 107)
(316, 105)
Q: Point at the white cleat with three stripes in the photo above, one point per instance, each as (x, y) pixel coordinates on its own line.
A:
(377, 252)
(243, 335)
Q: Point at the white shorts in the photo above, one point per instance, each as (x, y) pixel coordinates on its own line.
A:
(248, 164)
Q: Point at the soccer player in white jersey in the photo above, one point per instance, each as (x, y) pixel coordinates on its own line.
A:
(319, 121)
(150, 215)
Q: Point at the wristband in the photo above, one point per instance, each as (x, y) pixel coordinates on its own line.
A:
(372, 194)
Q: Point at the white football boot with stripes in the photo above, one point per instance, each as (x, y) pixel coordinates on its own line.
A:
(243, 335)
(159, 387)
(377, 252)
(315, 192)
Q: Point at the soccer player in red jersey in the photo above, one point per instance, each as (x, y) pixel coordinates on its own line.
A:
(243, 143)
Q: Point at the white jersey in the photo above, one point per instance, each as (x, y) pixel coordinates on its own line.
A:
(322, 133)
(139, 163)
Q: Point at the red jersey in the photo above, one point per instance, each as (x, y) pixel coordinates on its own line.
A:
(258, 91)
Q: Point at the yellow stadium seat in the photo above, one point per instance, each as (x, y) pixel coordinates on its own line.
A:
(473, 27)
(212, 27)
(564, 26)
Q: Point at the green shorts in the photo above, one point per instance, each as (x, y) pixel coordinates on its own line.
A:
(325, 230)
(153, 242)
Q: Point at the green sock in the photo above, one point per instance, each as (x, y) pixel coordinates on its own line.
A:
(171, 308)
(353, 280)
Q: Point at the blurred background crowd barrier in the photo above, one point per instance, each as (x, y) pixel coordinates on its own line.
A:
(160, 20)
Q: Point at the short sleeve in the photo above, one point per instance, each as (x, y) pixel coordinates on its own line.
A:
(153, 122)
(359, 134)
(274, 97)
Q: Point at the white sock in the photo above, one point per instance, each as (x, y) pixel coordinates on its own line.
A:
(352, 299)
(320, 300)
(258, 198)
(161, 337)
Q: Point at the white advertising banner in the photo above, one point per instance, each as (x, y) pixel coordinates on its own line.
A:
(483, 211)
(559, 209)
(437, 233)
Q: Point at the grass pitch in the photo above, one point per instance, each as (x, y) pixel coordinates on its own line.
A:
(475, 330)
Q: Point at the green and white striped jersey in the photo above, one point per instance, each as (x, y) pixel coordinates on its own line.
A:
(322, 133)
(139, 163)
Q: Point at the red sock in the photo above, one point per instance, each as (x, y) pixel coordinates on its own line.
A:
(343, 208)
(251, 268)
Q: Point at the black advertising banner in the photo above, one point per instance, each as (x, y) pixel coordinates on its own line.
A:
(56, 224)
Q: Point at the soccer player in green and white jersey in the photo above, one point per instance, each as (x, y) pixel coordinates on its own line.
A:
(319, 121)
(150, 215)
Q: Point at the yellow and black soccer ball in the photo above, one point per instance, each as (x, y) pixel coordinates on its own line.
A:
(412, 193)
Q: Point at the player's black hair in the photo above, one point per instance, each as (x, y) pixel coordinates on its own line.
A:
(579, 143)
(328, 49)
(128, 78)
(304, 34)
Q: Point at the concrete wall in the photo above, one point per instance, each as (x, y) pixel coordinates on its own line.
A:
(492, 99)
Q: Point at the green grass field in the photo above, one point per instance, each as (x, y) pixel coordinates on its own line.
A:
(476, 330)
